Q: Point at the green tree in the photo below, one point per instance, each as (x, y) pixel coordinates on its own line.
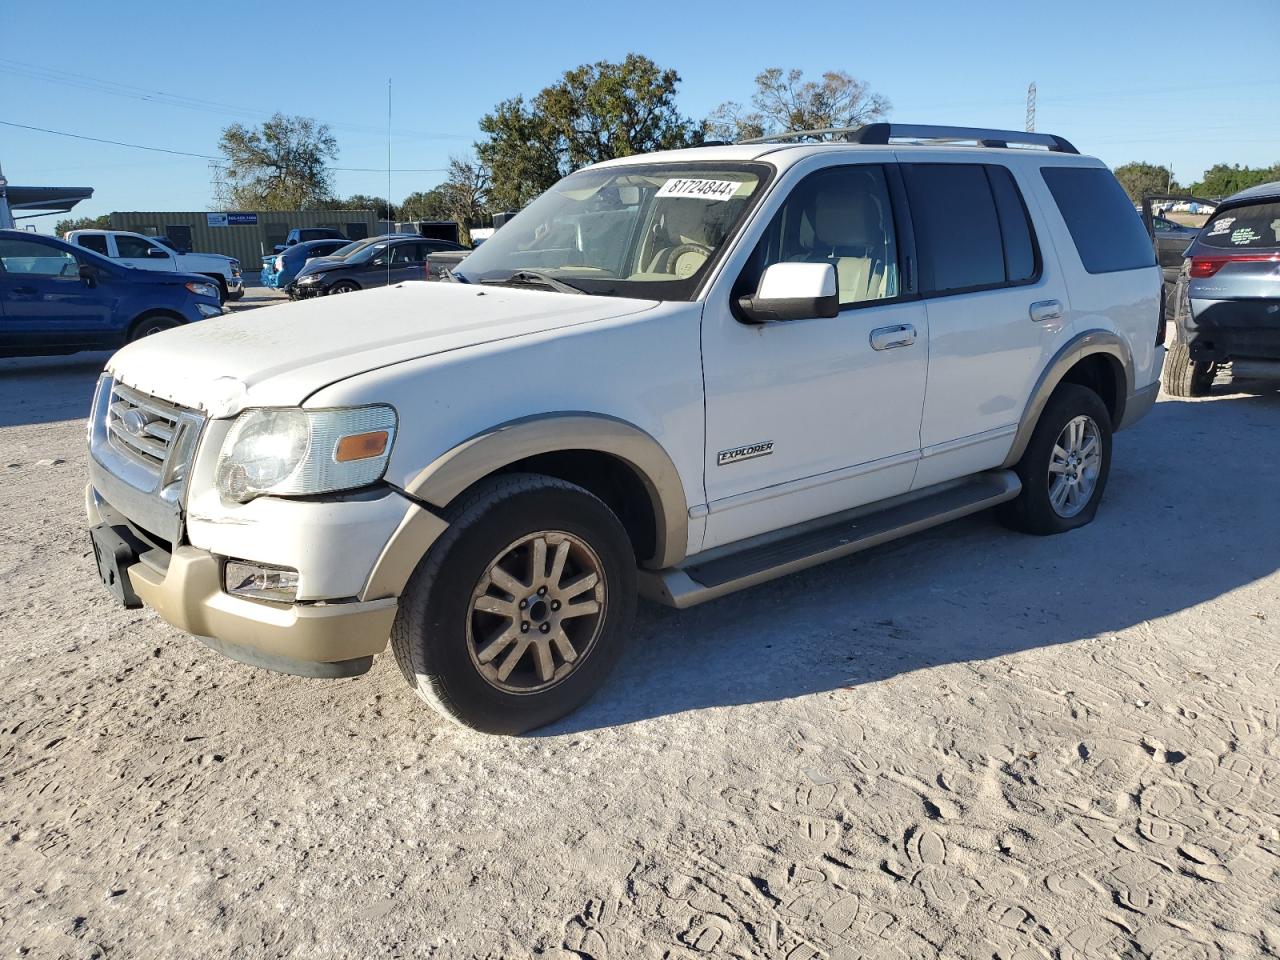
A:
(784, 100)
(595, 112)
(1139, 179)
(362, 201)
(1222, 180)
(82, 223)
(282, 165)
(425, 205)
(466, 194)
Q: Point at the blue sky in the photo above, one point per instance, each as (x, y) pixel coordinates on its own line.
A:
(1110, 76)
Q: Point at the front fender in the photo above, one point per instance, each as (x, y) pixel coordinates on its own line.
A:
(490, 450)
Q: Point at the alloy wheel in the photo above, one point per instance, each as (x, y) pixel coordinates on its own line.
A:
(1074, 466)
(536, 612)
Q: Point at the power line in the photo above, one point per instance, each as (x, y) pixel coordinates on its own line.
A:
(115, 88)
(200, 156)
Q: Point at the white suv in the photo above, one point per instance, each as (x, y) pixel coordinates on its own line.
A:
(680, 374)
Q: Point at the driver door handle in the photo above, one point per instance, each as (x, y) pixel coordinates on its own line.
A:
(899, 335)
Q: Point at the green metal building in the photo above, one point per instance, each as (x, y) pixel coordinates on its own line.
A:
(244, 234)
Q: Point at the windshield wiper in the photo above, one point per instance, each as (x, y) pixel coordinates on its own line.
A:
(534, 278)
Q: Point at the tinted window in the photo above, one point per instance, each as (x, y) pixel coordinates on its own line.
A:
(1020, 264)
(37, 260)
(93, 241)
(1243, 227)
(957, 229)
(840, 216)
(133, 246)
(1105, 227)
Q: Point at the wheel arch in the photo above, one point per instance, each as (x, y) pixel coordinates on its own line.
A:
(1097, 359)
(614, 459)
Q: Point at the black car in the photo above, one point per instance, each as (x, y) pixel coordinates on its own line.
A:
(1227, 298)
(377, 264)
(1172, 239)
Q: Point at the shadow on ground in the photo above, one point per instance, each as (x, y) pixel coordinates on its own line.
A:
(1190, 514)
(48, 389)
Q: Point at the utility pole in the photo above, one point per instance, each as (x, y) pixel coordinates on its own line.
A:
(1031, 107)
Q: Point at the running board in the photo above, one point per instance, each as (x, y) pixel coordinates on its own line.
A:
(756, 562)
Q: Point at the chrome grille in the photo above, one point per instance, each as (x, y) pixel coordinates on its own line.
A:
(149, 432)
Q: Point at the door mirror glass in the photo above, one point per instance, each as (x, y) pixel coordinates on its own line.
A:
(155, 253)
(793, 291)
(89, 274)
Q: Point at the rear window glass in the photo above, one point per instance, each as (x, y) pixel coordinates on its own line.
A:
(1103, 222)
(1019, 247)
(1244, 227)
(957, 230)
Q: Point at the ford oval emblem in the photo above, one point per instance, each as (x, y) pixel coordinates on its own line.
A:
(134, 422)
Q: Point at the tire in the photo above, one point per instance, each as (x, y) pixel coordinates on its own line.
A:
(344, 286)
(1184, 377)
(1035, 510)
(440, 638)
(151, 325)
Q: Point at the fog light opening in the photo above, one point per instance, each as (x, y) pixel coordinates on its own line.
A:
(260, 581)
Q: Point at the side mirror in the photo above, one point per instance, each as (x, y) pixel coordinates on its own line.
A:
(793, 291)
(378, 262)
(89, 274)
(155, 253)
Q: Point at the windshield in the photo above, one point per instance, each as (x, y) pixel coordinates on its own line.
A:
(648, 231)
(345, 249)
(367, 252)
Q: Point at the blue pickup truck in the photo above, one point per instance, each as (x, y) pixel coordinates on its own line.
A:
(59, 298)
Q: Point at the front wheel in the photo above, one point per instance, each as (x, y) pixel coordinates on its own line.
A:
(149, 326)
(343, 286)
(1065, 466)
(518, 613)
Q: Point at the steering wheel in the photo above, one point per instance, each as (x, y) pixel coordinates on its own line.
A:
(673, 254)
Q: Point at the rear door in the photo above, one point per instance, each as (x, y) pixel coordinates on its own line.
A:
(996, 313)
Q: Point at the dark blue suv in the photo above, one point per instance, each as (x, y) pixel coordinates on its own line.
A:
(57, 298)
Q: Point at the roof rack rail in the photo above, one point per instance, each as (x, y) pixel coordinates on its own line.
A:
(882, 133)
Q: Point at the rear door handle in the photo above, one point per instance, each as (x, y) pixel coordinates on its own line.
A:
(1043, 310)
(899, 335)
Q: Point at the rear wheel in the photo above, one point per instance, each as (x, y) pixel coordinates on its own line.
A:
(1065, 466)
(518, 613)
(1184, 377)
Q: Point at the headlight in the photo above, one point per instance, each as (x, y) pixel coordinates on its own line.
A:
(203, 289)
(208, 310)
(311, 278)
(292, 452)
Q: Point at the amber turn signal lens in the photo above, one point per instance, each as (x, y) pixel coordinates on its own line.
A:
(361, 446)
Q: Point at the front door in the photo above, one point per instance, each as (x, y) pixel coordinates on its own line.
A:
(807, 418)
(131, 249)
(46, 303)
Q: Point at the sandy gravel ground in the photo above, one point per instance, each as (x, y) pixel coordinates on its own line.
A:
(968, 745)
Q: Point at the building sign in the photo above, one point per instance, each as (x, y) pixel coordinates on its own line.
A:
(230, 219)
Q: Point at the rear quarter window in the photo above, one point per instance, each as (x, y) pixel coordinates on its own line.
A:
(1103, 223)
(1243, 228)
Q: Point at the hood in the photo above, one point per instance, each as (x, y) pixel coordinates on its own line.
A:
(320, 264)
(280, 355)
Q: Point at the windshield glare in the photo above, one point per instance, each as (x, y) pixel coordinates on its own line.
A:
(645, 231)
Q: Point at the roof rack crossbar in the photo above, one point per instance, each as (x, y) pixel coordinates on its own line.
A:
(882, 133)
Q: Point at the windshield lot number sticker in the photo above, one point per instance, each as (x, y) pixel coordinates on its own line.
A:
(699, 189)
